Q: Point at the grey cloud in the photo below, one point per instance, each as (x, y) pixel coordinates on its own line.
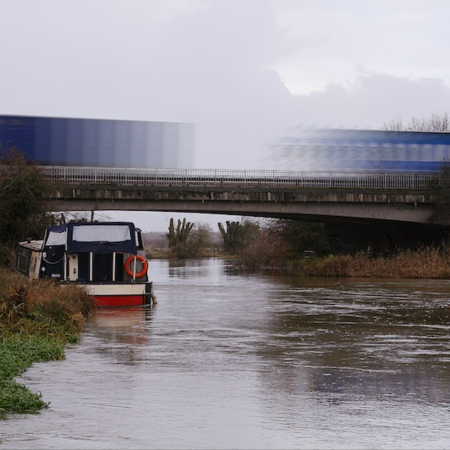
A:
(372, 100)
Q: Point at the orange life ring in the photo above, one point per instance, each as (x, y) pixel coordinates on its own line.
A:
(144, 266)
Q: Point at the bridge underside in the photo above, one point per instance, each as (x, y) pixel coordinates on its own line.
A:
(354, 220)
(317, 206)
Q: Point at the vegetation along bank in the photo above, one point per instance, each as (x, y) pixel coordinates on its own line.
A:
(37, 321)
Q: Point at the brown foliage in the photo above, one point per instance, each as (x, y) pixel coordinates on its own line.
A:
(267, 250)
(424, 263)
(24, 303)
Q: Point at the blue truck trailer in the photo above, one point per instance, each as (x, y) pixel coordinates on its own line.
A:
(353, 150)
(99, 142)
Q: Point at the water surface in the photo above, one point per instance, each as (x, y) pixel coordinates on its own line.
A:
(231, 360)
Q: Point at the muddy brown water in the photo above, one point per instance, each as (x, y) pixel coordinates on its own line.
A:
(231, 360)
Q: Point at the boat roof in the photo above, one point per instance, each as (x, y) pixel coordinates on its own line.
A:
(32, 244)
(95, 237)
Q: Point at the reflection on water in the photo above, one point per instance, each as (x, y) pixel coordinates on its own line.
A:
(128, 325)
(252, 360)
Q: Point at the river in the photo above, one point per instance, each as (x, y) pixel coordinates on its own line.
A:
(231, 360)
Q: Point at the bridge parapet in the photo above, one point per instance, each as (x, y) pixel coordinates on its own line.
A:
(63, 175)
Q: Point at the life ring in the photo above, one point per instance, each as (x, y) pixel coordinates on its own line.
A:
(144, 266)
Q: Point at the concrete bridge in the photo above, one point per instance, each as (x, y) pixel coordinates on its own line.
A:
(325, 197)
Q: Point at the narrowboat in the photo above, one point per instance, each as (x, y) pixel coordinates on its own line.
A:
(108, 258)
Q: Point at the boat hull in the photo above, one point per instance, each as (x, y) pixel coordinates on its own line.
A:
(115, 295)
(118, 301)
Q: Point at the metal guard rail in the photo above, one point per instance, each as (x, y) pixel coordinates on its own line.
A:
(216, 178)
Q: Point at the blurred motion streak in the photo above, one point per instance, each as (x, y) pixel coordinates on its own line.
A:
(99, 142)
(345, 150)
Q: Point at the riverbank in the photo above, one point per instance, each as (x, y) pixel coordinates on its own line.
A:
(37, 320)
(428, 262)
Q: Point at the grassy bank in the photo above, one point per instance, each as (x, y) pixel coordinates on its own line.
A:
(37, 320)
(425, 263)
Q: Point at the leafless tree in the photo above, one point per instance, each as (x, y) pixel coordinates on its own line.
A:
(436, 122)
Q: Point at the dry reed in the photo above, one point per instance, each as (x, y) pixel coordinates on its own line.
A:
(41, 304)
(424, 263)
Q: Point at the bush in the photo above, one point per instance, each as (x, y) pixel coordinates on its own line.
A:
(266, 251)
(23, 210)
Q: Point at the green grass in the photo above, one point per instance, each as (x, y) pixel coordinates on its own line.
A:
(17, 354)
(37, 320)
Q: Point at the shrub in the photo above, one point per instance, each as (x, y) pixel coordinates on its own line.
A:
(267, 250)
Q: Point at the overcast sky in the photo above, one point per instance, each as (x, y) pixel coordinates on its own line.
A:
(243, 71)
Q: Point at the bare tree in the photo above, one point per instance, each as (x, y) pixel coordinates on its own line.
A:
(395, 124)
(236, 235)
(179, 235)
(436, 122)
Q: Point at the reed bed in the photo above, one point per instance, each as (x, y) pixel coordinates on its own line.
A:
(423, 263)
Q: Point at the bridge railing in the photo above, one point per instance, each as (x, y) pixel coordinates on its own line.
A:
(216, 178)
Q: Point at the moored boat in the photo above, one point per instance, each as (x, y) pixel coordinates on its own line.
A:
(107, 258)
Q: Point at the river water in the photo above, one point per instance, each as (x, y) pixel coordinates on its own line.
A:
(231, 360)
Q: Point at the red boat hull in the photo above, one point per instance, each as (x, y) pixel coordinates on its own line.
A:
(116, 295)
(115, 301)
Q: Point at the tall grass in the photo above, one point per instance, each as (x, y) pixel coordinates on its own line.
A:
(37, 320)
(423, 263)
